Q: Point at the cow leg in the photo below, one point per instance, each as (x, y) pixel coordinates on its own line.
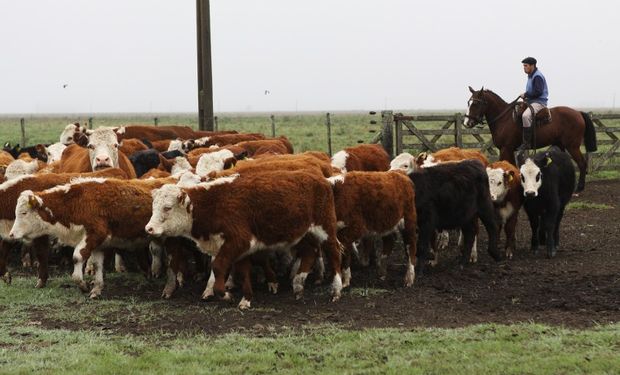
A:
(333, 250)
(473, 257)
(469, 236)
(319, 266)
(409, 239)
(510, 229)
(97, 260)
(176, 265)
(534, 220)
(556, 232)
(576, 154)
(26, 255)
(157, 250)
(346, 237)
(119, 262)
(364, 251)
(549, 225)
(486, 213)
(244, 268)
(270, 275)
(425, 232)
(221, 268)
(41, 247)
(5, 250)
(78, 264)
(200, 260)
(306, 256)
(388, 245)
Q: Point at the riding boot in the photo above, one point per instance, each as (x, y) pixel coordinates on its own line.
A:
(527, 139)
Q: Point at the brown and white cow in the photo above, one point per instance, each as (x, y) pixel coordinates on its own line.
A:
(10, 192)
(507, 197)
(375, 204)
(233, 217)
(102, 151)
(88, 214)
(366, 157)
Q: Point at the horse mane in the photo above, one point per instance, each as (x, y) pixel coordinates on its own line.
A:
(495, 95)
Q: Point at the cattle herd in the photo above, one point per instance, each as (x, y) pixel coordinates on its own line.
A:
(222, 205)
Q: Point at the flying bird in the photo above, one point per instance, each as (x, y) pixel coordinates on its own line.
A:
(65, 85)
(267, 92)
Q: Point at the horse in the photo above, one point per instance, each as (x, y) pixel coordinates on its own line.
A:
(568, 129)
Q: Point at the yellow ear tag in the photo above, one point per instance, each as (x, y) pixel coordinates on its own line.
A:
(509, 178)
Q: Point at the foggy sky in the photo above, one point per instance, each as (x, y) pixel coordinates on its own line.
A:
(326, 55)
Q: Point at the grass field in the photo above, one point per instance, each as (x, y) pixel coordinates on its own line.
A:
(87, 341)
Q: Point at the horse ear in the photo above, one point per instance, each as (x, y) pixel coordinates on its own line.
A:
(482, 88)
(471, 90)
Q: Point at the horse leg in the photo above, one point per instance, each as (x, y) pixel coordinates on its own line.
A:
(576, 154)
(508, 155)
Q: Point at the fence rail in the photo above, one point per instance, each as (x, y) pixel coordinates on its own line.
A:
(412, 134)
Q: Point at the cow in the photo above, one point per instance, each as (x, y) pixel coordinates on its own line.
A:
(5, 160)
(22, 167)
(225, 139)
(35, 152)
(454, 196)
(54, 152)
(273, 146)
(10, 192)
(232, 217)
(88, 214)
(507, 196)
(364, 157)
(379, 204)
(132, 145)
(213, 169)
(548, 181)
(102, 152)
(145, 160)
(424, 160)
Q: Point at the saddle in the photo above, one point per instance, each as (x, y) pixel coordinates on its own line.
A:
(542, 117)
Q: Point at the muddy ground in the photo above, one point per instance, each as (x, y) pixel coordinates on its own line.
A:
(578, 288)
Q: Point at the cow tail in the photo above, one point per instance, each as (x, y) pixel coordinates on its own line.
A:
(589, 136)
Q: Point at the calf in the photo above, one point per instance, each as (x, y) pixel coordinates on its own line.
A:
(454, 196)
(145, 160)
(88, 214)
(54, 152)
(507, 196)
(379, 204)
(36, 152)
(362, 158)
(232, 217)
(11, 190)
(548, 181)
(424, 160)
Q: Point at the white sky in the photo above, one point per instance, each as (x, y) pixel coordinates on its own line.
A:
(326, 55)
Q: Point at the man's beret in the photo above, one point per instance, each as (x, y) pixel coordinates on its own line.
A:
(529, 60)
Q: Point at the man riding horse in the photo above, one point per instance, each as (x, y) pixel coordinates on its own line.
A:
(536, 95)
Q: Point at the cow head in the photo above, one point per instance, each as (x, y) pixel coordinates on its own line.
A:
(499, 183)
(172, 212)
(54, 152)
(74, 133)
(181, 164)
(214, 162)
(403, 162)
(531, 178)
(21, 167)
(28, 223)
(103, 147)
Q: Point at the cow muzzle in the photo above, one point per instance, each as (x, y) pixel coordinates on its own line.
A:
(530, 194)
(151, 230)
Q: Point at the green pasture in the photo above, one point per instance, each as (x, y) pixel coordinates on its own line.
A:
(82, 339)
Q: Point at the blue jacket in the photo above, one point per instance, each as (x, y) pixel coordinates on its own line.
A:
(536, 90)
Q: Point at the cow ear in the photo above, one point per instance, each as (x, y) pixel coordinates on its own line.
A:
(80, 139)
(482, 89)
(7, 145)
(520, 159)
(471, 90)
(33, 203)
(510, 175)
(242, 155)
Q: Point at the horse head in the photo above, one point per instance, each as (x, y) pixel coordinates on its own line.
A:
(476, 108)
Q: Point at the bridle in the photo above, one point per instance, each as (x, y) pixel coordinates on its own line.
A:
(479, 120)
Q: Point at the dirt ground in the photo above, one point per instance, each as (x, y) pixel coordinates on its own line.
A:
(578, 288)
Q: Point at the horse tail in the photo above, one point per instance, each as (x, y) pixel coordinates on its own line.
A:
(589, 136)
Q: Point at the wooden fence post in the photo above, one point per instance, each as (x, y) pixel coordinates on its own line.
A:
(273, 126)
(328, 122)
(399, 136)
(155, 121)
(215, 125)
(22, 124)
(458, 130)
(90, 122)
(387, 137)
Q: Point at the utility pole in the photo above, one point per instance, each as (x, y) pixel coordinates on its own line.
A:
(205, 80)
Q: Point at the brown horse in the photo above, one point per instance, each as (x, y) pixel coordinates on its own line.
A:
(567, 129)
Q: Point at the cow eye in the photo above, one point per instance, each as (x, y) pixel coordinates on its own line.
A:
(522, 178)
(116, 145)
(167, 208)
(538, 177)
(92, 147)
(499, 183)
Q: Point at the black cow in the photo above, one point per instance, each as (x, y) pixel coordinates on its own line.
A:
(454, 196)
(548, 181)
(145, 160)
(36, 152)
